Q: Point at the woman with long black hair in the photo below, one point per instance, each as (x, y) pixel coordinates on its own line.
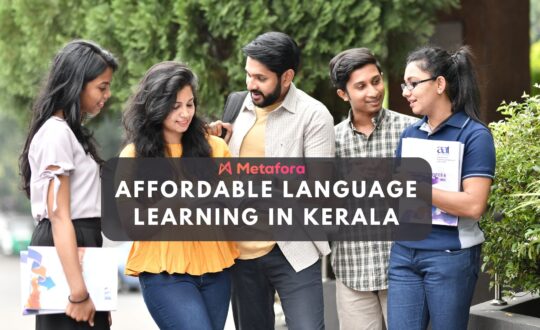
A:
(60, 170)
(434, 278)
(185, 285)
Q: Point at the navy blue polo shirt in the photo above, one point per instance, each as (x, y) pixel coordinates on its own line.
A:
(478, 161)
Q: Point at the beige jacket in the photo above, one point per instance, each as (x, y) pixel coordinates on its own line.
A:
(300, 127)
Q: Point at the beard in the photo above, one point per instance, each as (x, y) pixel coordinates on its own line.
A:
(268, 99)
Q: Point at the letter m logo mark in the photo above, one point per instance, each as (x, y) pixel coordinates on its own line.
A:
(225, 167)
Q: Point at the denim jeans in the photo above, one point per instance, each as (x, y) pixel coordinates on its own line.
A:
(183, 301)
(436, 285)
(254, 283)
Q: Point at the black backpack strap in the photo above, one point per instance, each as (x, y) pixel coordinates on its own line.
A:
(233, 106)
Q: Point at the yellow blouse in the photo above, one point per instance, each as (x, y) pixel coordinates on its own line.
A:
(194, 258)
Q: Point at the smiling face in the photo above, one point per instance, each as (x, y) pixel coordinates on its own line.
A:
(264, 86)
(424, 96)
(178, 120)
(365, 90)
(96, 93)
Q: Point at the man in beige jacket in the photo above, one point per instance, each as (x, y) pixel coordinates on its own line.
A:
(278, 120)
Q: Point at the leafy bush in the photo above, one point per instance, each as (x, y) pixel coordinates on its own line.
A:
(531, 247)
(512, 226)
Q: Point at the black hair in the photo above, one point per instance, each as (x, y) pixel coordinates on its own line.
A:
(346, 62)
(148, 108)
(458, 70)
(76, 64)
(276, 50)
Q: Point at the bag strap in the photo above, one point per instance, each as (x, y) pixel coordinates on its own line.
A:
(233, 106)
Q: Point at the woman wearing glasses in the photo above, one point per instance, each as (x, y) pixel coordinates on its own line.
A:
(434, 279)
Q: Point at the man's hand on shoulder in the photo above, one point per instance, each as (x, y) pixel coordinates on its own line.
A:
(221, 129)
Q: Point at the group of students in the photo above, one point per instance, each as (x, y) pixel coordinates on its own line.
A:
(188, 285)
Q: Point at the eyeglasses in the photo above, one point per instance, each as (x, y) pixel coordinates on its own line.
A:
(410, 86)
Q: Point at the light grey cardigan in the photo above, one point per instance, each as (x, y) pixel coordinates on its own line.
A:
(300, 127)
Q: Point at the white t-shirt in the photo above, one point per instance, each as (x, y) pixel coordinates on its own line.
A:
(55, 145)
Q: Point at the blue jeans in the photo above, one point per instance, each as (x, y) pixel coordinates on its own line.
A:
(254, 283)
(436, 285)
(183, 301)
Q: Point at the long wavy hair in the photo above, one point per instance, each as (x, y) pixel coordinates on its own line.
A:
(152, 102)
(79, 62)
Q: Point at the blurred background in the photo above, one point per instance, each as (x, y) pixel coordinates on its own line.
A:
(208, 36)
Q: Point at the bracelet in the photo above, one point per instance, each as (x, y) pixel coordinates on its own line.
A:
(80, 301)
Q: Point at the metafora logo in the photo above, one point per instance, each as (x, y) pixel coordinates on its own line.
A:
(225, 167)
(248, 168)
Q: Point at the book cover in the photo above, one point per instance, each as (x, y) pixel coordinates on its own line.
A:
(44, 288)
(445, 159)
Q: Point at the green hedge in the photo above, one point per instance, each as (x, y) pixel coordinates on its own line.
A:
(512, 225)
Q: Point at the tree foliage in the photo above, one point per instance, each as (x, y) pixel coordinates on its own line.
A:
(207, 34)
(535, 67)
(535, 20)
(512, 227)
(11, 197)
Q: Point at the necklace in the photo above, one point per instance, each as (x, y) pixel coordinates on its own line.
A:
(431, 127)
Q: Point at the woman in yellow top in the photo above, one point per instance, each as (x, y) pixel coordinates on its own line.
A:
(185, 285)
